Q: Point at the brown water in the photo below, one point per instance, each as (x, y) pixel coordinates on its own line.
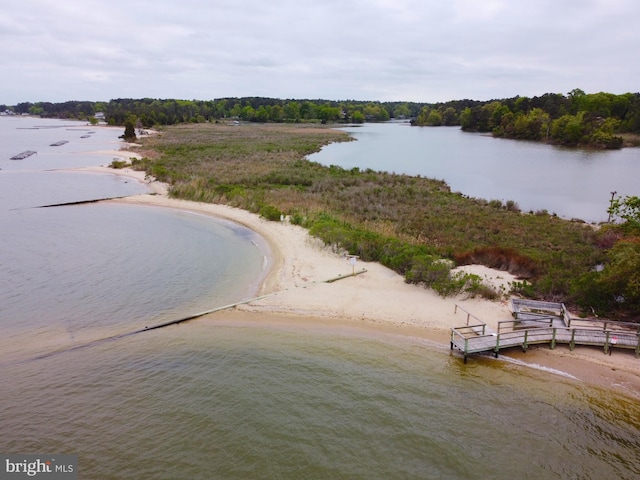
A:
(209, 399)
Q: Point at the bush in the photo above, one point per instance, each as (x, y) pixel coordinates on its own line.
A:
(270, 213)
(297, 218)
(119, 164)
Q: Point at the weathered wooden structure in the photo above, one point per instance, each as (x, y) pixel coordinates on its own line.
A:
(23, 155)
(542, 323)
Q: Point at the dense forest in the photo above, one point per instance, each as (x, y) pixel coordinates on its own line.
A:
(599, 120)
(152, 112)
(596, 120)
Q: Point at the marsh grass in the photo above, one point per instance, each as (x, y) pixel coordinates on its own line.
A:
(407, 223)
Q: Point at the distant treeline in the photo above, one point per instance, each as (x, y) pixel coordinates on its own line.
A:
(150, 112)
(575, 119)
(578, 119)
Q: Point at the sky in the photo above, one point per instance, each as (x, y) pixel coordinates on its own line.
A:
(423, 51)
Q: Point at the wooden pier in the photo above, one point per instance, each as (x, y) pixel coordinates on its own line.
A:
(542, 323)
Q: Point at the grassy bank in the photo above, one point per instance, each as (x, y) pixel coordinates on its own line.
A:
(407, 223)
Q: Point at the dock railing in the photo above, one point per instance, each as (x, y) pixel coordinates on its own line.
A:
(473, 330)
(469, 315)
(535, 324)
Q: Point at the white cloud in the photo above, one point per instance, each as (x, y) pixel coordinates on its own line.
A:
(421, 50)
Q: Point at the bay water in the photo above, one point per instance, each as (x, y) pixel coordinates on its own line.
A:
(228, 399)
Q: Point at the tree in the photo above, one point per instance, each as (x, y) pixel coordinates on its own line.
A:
(402, 111)
(357, 117)
(532, 126)
(130, 129)
(374, 112)
(575, 99)
(567, 130)
(627, 209)
(621, 276)
(36, 110)
(292, 111)
(434, 119)
(466, 119)
(261, 115)
(327, 113)
(487, 118)
(449, 116)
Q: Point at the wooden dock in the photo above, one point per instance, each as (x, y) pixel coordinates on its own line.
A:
(542, 323)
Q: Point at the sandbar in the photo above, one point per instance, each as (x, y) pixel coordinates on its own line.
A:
(295, 291)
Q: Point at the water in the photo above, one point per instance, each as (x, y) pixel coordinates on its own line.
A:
(36, 134)
(572, 183)
(77, 273)
(229, 399)
(45, 178)
(73, 274)
(217, 399)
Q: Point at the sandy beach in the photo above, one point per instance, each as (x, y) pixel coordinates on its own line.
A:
(296, 291)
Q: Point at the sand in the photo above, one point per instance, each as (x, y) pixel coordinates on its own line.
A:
(295, 291)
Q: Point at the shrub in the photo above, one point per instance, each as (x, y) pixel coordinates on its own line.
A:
(270, 213)
(119, 164)
(512, 206)
(297, 218)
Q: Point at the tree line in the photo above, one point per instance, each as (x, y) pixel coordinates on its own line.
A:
(150, 112)
(596, 120)
(577, 119)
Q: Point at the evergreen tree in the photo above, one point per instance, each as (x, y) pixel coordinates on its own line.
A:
(130, 129)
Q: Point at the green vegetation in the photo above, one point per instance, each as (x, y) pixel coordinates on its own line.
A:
(119, 164)
(414, 225)
(129, 129)
(600, 120)
(616, 285)
(407, 223)
(150, 112)
(627, 209)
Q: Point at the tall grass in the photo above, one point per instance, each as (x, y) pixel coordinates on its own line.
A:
(407, 223)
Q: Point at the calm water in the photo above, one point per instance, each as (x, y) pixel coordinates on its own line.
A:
(228, 400)
(76, 273)
(217, 400)
(572, 183)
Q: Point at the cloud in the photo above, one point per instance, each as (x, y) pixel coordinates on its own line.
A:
(418, 50)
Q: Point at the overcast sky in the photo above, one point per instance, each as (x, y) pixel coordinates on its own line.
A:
(387, 50)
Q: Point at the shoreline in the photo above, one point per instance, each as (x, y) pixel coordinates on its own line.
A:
(377, 300)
